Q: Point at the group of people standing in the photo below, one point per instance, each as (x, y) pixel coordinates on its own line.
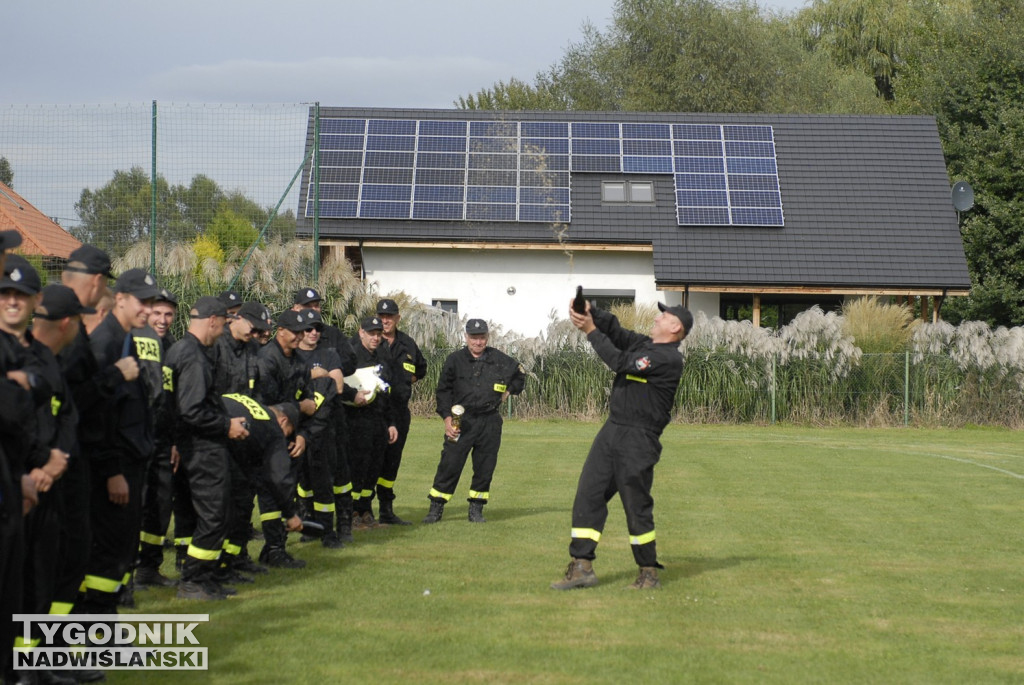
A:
(108, 426)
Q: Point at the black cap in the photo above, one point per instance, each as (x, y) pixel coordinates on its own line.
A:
(89, 259)
(306, 295)
(371, 323)
(257, 315)
(20, 275)
(314, 318)
(387, 306)
(475, 326)
(9, 240)
(296, 322)
(58, 302)
(230, 298)
(137, 282)
(681, 313)
(167, 296)
(207, 306)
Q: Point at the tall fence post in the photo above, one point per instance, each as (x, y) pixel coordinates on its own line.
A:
(316, 192)
(906, 388)
(152, 199)
(773, 386)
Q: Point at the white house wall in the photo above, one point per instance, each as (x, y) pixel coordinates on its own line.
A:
(481, 280)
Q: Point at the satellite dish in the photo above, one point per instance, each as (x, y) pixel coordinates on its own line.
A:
(963, 196)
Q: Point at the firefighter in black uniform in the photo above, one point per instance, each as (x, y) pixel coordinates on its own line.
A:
(265, 450)
(479, 378)
(237, 372)
(119, 452)
(320, 463)
(164, 468)
(284, 378)
(371, 425)
(17, 490)
(622, 458)
(201, 432)
(407, 367)
(332, 337)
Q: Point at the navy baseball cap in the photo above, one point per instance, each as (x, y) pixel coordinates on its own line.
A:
(387, 306)
(296, 322)
(9, 240)
(59, 302)
(137, 282)
(207, 306)
(476, 326)
(257, 315)
(371, 323)
(89, 259)
(20, 275)
(306, 295)
(681, 313)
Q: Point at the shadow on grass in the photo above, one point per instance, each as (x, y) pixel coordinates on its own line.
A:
(694, 566)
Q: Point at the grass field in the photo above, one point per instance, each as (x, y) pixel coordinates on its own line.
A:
(792, 555)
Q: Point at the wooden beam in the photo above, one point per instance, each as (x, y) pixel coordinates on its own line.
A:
(814, 290)
(480, 245)
(757, 311)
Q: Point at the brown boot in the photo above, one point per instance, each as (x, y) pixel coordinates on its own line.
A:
(646, 579)
(579, 574)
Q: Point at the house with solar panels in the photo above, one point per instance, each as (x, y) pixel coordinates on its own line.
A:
(500, 215)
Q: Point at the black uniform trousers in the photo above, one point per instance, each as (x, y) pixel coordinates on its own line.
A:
(241, 495)
(157, 500)
(42, 547)
(393, 456)
(321, 461)
(181, 507)
(12, 551)
(115, 539)
(367, 440)
(207, 463)
(75, 533)
(621, 460)
(481, 433)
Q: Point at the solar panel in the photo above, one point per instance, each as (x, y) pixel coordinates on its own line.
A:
(520, 171)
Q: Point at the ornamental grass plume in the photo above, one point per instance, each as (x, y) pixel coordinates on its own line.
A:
(815, 335)
(877, 327)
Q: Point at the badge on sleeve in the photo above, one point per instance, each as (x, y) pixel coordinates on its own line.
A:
(643, 363)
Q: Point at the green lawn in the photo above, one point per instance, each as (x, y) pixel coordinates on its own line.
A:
(792, 555)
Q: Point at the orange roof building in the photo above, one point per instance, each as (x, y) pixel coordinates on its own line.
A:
(39, 235)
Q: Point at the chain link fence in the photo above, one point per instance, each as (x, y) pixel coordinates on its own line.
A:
(881, 390)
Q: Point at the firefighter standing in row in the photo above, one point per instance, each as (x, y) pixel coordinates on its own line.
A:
(622, 458)
(407, 367)
(202, 431)
(480, 379)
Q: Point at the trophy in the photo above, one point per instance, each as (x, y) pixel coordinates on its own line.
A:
(457, 411)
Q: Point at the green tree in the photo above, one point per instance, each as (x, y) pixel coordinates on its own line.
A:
(967, 69)
(232, 230)
(6, 172)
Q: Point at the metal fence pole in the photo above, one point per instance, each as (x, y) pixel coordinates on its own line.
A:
(152, 199)
(773, 386)
(906, 388)
(316, 192)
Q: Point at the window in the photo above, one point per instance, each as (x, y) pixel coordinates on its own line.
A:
(627, 192)
(451, 306)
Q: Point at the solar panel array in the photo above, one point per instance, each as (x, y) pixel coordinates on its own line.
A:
(520, 170)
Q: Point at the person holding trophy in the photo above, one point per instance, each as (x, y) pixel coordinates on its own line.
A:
(476, 380)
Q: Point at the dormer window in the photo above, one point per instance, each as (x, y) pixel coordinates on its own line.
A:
(627, 192)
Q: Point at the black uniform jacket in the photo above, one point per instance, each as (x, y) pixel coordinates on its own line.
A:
(199, 412)
(56, 417)
(406, 361)
(265, 451)
(126, 418)
(283, 379)
(235, 363)
(477, 384)
(646, 373)
(91, 385)
(382, 404)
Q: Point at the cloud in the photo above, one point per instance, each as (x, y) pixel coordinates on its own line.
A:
(336, 81)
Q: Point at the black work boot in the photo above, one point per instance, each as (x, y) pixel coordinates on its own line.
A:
(435, 513)
(476, 512)
(343, 512)
(579, 574)
(330, 540)
(388, 515)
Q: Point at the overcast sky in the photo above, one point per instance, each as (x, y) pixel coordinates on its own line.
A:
(387, 53)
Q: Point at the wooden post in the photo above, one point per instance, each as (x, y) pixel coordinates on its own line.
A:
(757, 311)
